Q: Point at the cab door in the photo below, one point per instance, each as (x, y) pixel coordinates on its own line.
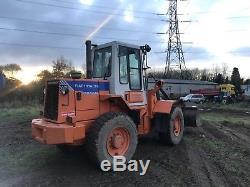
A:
(130, 83)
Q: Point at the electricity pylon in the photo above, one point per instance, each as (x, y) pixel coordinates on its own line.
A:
(175, 59)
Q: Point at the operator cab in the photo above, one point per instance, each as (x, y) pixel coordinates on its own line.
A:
(122, 65)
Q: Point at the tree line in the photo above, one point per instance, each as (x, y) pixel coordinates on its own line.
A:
(216, 75)
(16, 92)
(63, 68)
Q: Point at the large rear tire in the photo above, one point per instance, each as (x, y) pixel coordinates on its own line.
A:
(112, 134)
(68, 149)
(174, 128)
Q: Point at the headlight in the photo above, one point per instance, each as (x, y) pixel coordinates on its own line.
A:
(64, 90)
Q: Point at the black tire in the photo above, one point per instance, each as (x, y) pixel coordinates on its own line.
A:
(168, 137)
(99, 131)
(67, 149)
(224, 101)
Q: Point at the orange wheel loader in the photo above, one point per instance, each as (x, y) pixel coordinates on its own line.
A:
(112, 107)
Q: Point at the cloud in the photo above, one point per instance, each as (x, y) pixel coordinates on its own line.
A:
(197, 53)
(243, 51)
(214, 34)
(87, 2)
(128, 14)
(215, 30)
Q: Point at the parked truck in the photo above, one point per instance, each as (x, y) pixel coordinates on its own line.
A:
(224, 93)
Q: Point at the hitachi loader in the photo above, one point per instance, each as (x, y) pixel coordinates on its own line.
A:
(112, 107)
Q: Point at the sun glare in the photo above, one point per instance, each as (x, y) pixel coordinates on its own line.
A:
(28, 74)
(26, 77)
(87, 2)
(128, 14)
(99, 27)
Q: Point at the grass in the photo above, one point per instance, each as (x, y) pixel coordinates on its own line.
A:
(229, 157)
(18, 103)
(28, 160)
(221, 118)
(19, 114)
(241, 106)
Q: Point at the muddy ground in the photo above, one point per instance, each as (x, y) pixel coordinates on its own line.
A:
(215, 154)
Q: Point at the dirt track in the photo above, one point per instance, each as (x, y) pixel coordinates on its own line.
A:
(216, 154)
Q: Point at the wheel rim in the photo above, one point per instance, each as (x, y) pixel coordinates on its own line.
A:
(118, 142)
(177, 126)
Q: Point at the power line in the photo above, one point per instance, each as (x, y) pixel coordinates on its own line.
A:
(75, 35)
(76, 49)
(67, 48)
(111, 8)
(105, 7)
(116, 14)
(87, 10)
(184, 52)
(60, 47)
(39, 46)
(212, 12)
(74, 25)
(238, 17)
(182, 21)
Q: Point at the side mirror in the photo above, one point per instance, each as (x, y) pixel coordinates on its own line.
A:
(146, 48)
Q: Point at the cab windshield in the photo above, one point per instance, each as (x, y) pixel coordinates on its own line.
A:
(102, 62)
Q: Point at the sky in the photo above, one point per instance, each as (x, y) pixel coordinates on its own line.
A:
(33, 33)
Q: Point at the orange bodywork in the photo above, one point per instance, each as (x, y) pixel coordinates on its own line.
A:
(52, 133)
(163, 106)
(77, 110)
(134, 97)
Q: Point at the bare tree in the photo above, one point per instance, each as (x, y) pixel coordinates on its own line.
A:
(44, 74)
(11, 69)
(224, 69)
(216, 70)
(61, 67)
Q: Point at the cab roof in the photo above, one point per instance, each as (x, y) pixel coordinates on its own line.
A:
(118, 43)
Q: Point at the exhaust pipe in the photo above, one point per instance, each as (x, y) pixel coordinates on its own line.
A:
(88, 59)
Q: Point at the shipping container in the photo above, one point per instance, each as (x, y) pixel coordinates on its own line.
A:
(176, 88)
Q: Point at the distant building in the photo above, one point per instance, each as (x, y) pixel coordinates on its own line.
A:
(178, 88)
(246, 90)
(2, 81)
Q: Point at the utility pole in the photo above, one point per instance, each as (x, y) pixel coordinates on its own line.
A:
(175, 59)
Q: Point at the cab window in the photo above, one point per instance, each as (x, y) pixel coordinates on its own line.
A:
(102, 62)
(123, 65)
(134, 70)
(130, 67)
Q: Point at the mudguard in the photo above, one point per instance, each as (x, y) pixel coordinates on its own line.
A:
(191, 116)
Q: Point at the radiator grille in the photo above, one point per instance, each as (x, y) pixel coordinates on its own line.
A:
(51, 100)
